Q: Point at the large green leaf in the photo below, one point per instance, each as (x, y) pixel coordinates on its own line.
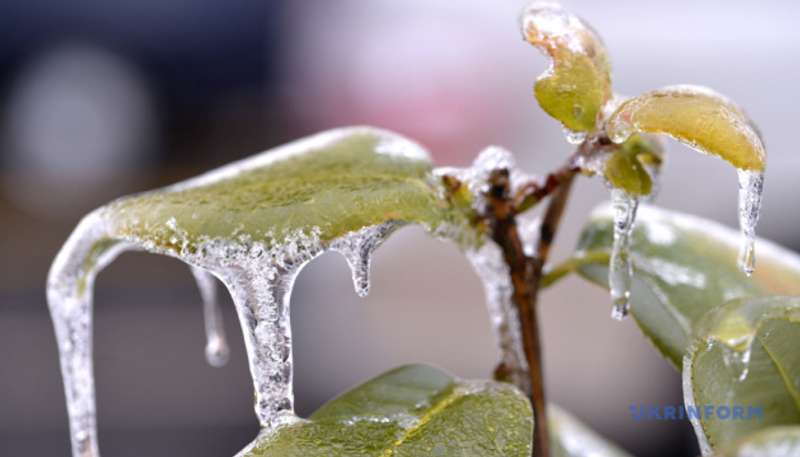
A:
(684, 266)
(578, 83)
(744, 356)
(769, 442)
(330, 183)
(696, 116)
(411, 411)
(418, 411)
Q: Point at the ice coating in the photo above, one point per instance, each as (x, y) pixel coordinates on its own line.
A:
(620, 268)
(357, 248)
(488, 263)
(258, 268)
(712, 124)
(577, 84)
(751, 188)
(217, 350)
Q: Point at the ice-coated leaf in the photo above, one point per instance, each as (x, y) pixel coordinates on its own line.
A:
(410, 411)
(334, 182)
(578, 83)
(683, 267)
(696, 116)
(744, 362)
(416, 411)
(627, 167)
(769, 442)
(253, 224)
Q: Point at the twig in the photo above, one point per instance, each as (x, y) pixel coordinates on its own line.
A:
(526, 273)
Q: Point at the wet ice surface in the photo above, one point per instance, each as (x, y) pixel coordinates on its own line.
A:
(217, 350)
(620, 268)
(751, 189)
(259, 274)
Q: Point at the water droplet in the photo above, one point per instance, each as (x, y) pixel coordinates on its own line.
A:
(620, 268)
(751, 188)
(217, 350)
(574, 137)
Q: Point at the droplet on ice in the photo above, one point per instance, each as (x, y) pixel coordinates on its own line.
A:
(620, 269)
(751, 188)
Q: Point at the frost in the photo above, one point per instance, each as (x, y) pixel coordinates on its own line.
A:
(620, 269)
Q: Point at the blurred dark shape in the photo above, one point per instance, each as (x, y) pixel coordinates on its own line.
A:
(78, 118)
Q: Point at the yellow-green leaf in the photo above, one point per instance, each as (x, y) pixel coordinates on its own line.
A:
(744, 360)
(578, 83)
(696, 116)
(626, 167)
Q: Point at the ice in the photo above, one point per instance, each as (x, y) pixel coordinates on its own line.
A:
(217, 350)
(493, 272)
(620, 269)
(357, 248)
(259, 277)
(751, 188)
(574, 137)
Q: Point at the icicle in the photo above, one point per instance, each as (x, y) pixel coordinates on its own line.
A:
(620, 270)
(217, 351)
(492, 270)
(357, 248)
(751, 187)
(69, 296)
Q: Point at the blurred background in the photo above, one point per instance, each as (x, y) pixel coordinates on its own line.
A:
(101, 99)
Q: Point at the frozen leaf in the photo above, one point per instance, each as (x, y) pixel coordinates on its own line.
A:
(410, 411)
(578, 83)
(416, 411)
(769, 442)
(683, 267)
(744, 363)
(696, 116)
(630, 165)
(336, 182)
(253, 224)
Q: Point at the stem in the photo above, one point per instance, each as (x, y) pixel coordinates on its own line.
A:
(526, 273)
(551, 276)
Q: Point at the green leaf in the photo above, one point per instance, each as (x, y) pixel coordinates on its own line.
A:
(333, 183)
(769, 442)
(578, 83)
(745, 355)
(418, 411)
(411, 411)
(684, 266)
(696, 116)
(626, 167)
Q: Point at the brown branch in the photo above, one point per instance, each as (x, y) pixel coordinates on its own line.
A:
(526, 274)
